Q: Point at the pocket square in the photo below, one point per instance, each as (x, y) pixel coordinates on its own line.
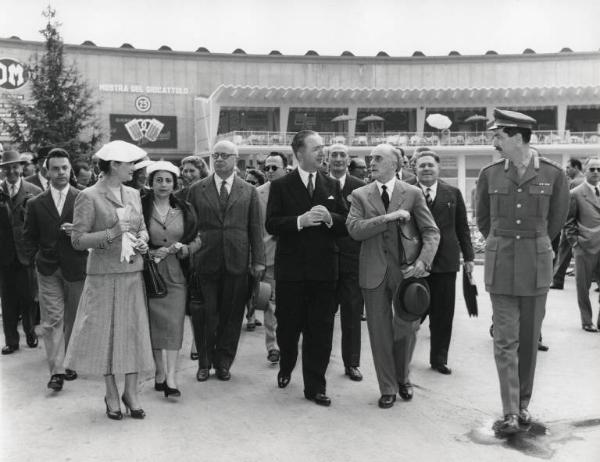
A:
(330, 197)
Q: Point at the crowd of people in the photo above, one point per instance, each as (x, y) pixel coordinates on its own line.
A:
(385, 241)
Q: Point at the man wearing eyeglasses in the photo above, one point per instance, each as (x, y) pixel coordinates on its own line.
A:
(230, 227)
(522, 204)
(348, 294)
(583, 232)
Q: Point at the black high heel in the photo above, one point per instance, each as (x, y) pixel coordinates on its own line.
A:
(135, 413)
(114, 415)
(160, 386)
(171, 391)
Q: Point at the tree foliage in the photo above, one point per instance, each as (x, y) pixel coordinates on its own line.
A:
(60, 111)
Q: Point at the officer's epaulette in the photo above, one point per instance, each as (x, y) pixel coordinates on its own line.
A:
(550, 162)
(499, 161)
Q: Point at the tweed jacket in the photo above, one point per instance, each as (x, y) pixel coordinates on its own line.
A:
(95, 212)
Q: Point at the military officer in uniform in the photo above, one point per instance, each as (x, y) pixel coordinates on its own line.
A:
(522, 205)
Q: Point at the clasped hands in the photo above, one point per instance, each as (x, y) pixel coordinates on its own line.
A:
(315, 216)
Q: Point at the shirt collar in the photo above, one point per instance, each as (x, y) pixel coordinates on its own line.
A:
(432, 188)
(592, 187)
(342, 179)
(56, 192)
(304, 175)
(228, 181)
(389, 186)
(17, 186)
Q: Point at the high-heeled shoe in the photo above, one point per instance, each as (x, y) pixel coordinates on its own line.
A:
(160, 386)
(114, 415)
(171, 391)
(134, 413)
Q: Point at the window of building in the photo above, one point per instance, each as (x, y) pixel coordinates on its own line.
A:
(395, 119)
(317, 119)
(583, 119)
(248, 119)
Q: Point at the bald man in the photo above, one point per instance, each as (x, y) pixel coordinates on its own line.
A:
(230, 227)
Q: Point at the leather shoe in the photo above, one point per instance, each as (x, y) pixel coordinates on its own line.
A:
(556, 286)
(589, 328)
(283, 380)
(508, 426)
(223, 374)
(273, 356)
(354, 373)
(70, 374)
(32, 340)
(56, 382)
(194, 356)
(442, 369)
(319, 398)
(202, 375)
(524, 417)
(406, 391)
(542, 347)
(386, 401)
(9, 349)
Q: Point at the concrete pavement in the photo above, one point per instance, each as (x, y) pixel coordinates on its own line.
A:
(250, 419)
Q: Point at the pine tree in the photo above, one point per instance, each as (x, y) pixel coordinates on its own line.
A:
(60, 111)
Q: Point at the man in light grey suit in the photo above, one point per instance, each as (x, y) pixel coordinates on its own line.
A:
(377, 212)
(583, 232)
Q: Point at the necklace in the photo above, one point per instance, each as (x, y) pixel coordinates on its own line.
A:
(162, 214)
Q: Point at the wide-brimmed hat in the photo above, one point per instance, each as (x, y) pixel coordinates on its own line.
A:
(11, 157)
(121, 151)
(411, 300)
(162, 165)
(142, 163)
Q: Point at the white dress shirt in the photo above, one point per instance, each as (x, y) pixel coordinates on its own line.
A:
(43, 181)
(59, 196)
(304, 177)
(432, 190)
(342, 180)
(13, 189)
(389, 187)
(228, 183)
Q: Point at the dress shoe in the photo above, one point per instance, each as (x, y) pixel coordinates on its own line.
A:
(114, 415)
(257, 323)
(509, 426)
(386, 401)
(171, 391)
(32, 340)
(9, 349)
(223, 374)
(319, 398)
(354, 373)
(542, 347)
(70, 374)
(283, 380)
(250, 326)
(134, 413)
(442, 369)
(589, 328)
(194, 356)
(56, 382)
(524, 417)
(160, 386)
(202, 375)
(406, 391)
(556, 286)
(273, 356)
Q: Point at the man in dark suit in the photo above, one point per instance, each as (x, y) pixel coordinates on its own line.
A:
(16, 277)
(306, 213)
(403, 173)
(230, 227)
(40, 177)
(348, 294)
(450, 214)
(60, 268)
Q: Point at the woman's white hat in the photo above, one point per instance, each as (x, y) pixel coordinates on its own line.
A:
(162, 165)
(121, 151)
(142, 163)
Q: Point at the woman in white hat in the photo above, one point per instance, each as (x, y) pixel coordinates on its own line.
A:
(111, 332)
(172, 226)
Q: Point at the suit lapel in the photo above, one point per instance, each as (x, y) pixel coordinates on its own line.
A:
(299, 190)
(589, 197)
(69, 203)
(209, 190)
(235, 194)
(375, 198)
(109, 195)
(48, 202)
(441, 199)
(321, 193)
(398, 196)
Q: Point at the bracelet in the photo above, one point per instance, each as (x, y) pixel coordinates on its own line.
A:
(109, 238)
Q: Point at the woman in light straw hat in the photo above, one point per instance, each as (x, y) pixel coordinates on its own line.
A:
(111, 332)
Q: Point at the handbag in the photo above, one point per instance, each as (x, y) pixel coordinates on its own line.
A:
(155, 284)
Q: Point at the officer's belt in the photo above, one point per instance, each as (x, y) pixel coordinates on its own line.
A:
(521, 234)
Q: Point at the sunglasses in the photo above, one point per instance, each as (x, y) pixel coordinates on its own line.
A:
(271, 168)
(222, 155)
(594, 169)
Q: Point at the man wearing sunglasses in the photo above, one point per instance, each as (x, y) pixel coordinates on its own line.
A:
(583, 232)
(229, 224)
(522, 205)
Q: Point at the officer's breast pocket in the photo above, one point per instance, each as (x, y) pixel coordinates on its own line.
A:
(540, 199)
(499, 200)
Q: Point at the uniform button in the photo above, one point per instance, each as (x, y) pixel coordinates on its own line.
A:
(518, 237)
(519, 190)
(518, 206)
(518, 222)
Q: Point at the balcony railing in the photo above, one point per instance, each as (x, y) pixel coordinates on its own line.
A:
(263, 138)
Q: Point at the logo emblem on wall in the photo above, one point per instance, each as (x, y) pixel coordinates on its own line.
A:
(144, 130)
(143, 103)
(13, 74)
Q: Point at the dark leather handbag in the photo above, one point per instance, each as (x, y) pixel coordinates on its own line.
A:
(155, 284)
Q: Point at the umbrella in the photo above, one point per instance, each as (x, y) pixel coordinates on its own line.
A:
(372, 118)
(476, 118)
(439, 121)
(342, 118)
(470, 293)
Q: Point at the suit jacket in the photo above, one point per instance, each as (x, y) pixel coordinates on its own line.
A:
(450, 215)
(51, 246)
(96, 211)
(583, 222)
(349, 248)
(381, 246)
(269, 240)
(231, 241)
(309, 254)
(12, 220)
(35, 180)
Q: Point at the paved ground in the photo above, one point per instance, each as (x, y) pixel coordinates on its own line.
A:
(250, 419)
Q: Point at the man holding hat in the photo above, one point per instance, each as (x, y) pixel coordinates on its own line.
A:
(522, 205)
(16, 279)
(379, 217)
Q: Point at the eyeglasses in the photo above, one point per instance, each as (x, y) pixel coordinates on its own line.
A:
(222, 155)
(271, 168)
(594, 169)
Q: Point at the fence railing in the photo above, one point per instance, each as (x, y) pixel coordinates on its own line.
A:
(266, 138)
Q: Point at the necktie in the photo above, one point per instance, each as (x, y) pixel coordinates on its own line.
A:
(310, 186)
(223, 196)
(60, 202)
(13, 190)
(428, 197)
(385, 197)
(597, 192)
